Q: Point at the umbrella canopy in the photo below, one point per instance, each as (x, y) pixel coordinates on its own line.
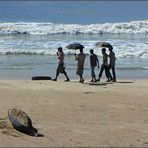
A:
(104, 44)
(75, 46)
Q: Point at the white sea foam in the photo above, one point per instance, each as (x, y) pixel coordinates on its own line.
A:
(122, 50)
(133, 27)
(41, 42)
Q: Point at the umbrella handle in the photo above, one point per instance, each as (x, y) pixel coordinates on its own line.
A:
(75, 54)
(76, 57)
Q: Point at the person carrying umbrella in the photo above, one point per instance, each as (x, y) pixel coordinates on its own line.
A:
(112, 63)
(105, 66)
(80, 65)
(93, 63)
(61, 67)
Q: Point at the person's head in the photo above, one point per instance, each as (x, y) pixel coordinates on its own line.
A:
(81, 49)
(103, 50)
(110, 49)
(60, 49)
(91, 51)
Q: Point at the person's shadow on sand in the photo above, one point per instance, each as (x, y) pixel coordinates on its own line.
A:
(103, 83)
(124, 82)
(106, 83)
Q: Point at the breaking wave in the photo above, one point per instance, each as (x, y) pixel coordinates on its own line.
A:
(34, 28)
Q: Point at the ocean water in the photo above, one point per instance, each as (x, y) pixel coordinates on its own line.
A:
(31, 32)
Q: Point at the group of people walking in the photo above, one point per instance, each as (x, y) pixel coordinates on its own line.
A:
(108, 63)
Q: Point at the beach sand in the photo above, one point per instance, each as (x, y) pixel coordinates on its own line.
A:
(70, 114)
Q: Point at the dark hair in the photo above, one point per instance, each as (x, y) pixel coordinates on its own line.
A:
(60, 48)
(110, 49)
(81, 49)
(91, 51)
(104, 49)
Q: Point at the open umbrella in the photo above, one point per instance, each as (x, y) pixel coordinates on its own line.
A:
(75, 46)
(104, 44)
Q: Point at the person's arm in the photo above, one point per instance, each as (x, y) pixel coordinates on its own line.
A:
(76, 58)
(114, 56)
(97, 61)
(58, 55)
(90, 60)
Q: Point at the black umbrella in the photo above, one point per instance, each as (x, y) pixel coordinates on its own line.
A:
(104, 44)
(75, 46)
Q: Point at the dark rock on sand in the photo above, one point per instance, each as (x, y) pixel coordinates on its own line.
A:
(21, 122)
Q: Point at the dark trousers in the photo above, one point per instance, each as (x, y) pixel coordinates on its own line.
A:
(61, 69)
(113, 72)
(93, 72)
(107, 73)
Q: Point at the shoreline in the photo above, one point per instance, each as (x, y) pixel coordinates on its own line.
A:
(71, 114)
(25, 67)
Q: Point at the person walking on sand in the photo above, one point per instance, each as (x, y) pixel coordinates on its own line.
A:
(61, 67)
(112, 59)
(105, 66)
(80, 65)
(93, 63)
